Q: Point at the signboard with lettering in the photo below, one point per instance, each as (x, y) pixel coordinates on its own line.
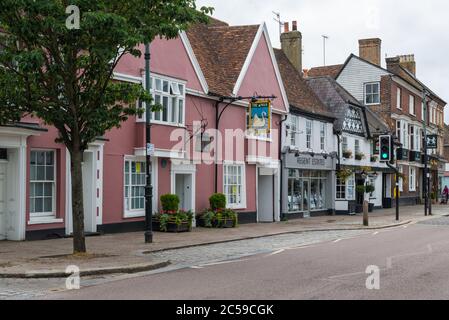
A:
(432, 141)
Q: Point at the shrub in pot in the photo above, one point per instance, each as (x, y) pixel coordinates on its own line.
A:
(217, 201)
(171, 219)
(218, 216)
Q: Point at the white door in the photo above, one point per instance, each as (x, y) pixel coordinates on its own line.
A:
(89, 193)
(3, 201)
(183, 184)
(265, 196)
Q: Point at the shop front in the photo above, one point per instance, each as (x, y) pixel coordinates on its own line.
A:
(308, 185)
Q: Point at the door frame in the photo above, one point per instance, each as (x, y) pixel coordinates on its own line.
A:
(96, 149)
(186, 169)
(276, 191)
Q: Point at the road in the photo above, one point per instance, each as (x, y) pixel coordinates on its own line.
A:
(413, 262)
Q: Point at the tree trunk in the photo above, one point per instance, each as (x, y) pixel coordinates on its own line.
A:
(79, 243)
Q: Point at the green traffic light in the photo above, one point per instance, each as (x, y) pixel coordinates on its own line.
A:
(384, 156)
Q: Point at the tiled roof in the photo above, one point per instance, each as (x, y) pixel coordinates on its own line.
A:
(221, 51)
(331, 71)
(299, 94)
(333, 96)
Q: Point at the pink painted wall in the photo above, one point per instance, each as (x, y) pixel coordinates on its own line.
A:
(47, 141)
(261, 77)
(168, 57)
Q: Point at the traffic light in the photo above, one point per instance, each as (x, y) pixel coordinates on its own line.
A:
(385, 149)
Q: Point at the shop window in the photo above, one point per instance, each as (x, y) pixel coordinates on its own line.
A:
(341, 189)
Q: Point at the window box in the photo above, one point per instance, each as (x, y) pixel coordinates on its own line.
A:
(374, 159)
(403, 154)
(359, 156)
(347, 154)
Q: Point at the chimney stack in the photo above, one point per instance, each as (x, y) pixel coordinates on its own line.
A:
(408, 62)
(370, 50)
(291, 42)
(392, 63)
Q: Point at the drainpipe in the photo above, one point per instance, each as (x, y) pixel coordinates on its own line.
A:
(337, 133)
(281, 158)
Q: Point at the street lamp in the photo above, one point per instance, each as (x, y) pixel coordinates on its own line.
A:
(426, 168)
(148, 186)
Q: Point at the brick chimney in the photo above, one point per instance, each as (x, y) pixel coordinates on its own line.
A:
(408, 62)
(370, 50)
(392, 63)
(291, 42)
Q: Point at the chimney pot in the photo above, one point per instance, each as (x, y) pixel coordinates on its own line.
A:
(286, 27)
(295, 25)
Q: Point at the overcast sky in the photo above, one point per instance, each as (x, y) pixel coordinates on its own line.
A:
(405, 27)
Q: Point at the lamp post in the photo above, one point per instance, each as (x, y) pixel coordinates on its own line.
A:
(148, 186)
(426, 168)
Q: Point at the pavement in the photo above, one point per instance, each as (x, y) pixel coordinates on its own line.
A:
(403, 262)
(127, 253)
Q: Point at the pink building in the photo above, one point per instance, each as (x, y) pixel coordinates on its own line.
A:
(193, 77)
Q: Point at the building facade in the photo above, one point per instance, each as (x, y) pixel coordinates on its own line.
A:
(194, 79)
(395, 95)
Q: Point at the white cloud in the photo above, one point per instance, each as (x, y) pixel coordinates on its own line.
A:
(405, 27)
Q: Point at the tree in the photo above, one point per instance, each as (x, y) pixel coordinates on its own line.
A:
(64, 76)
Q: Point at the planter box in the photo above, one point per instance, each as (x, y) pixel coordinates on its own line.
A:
(370, 207)
(359, 208)
(225, 224)
(359, 157)
(172, 227)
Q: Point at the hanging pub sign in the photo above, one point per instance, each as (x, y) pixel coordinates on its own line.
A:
(432, 141)
(260, 117)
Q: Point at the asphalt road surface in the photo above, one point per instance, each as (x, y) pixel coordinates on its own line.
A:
(413, 263)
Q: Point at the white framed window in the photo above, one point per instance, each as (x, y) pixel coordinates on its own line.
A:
(417, 144)
(234, 185)
(293, 130)
(341, 189)
(344, 144)
(411, 105)
(350, 188)
(399, 98)
(411, 131)
(134, 187)
(372, 93)
(405, 135)
(323, 136)
(170, 95)
(412, 179)
(43, 184)
(309, 134)
(357, 146)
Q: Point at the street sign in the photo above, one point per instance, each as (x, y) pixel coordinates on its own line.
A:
(150, 149)
(432, 141)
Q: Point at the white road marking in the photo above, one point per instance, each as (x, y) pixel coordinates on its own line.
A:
(376, 233)
(338, 240)
(275, 253)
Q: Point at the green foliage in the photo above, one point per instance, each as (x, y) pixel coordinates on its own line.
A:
(177, 218)
(360, 189)
(64, 76)
(370, 188)
(170, 203)
(218, 218)
(217, 201)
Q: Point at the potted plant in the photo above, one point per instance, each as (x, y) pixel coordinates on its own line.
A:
(218, 216)
(171, 219)
(347, 154)
(359, 156)
(370, 189)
